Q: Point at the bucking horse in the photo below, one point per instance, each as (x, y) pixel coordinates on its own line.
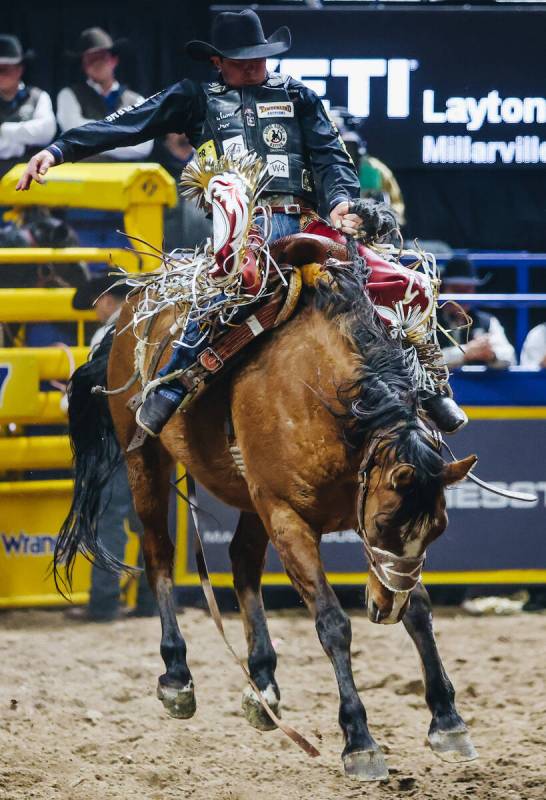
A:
(317, 429)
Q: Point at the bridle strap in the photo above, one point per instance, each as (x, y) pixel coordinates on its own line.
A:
(396, 573)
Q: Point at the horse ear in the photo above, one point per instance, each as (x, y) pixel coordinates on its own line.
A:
(402, 476)
(458, 470)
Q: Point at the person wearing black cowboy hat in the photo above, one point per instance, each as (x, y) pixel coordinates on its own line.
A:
(245, 109)
(27, 121)
(100, 94)
(485, 342)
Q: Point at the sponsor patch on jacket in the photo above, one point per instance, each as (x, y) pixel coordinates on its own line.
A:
(266, 110)
(275, 136)
(306, 180)
(277, 166)
(207, 150)
(250, 117)
(234, 146)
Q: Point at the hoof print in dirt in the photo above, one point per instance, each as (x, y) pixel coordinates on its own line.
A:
(179, 702)
(366, 765)
(452, 746)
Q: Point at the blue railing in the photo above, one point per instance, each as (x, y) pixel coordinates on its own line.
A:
(522, 300)
(515, 386)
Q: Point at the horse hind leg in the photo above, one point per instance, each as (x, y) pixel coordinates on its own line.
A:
(448, 735)
(247, 552)
(149, 470)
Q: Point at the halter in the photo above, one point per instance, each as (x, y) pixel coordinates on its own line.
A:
(395, 573)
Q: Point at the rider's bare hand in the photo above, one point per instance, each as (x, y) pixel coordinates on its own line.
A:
(35, 170)
(344, 221)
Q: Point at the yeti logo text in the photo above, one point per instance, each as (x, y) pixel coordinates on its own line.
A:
(359, 73)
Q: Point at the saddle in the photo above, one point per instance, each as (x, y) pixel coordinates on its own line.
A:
(303, 262)
(306, 255)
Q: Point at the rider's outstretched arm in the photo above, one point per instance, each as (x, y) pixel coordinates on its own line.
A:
(172, 110)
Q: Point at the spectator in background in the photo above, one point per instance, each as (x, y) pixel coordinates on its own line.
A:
(185, 225)
(100, 94)
(487, 340)
(533, 352)
(378, 182)
(27, 121)
(117, 501)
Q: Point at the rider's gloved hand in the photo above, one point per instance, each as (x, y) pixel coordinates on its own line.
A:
(36, 169)
(347, 223)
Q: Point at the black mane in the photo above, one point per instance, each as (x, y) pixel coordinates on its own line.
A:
(384, 394)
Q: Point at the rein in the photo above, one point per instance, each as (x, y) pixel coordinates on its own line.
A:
(208, 591)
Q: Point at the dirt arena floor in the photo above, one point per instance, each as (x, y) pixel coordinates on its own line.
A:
(79, 719)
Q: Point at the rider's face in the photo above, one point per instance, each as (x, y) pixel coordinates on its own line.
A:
(241, 71)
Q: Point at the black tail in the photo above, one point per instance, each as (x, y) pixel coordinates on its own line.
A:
(96, 457)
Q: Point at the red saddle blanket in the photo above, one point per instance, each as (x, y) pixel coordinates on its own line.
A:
(388, 283)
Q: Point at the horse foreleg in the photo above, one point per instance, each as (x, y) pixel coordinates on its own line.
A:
(448, 735)
(247, 552)
(298, 547)
(149, 471)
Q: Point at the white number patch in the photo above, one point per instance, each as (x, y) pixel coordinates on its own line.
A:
(278, 166)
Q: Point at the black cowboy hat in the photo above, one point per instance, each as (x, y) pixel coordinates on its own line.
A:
(240, 35)
(96, 39)
(11, 51)
(463, 271)
(85, 295)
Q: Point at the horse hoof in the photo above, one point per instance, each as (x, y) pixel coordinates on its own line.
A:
(366, 765)
(179, 702)
(453, 746)
(255, 713)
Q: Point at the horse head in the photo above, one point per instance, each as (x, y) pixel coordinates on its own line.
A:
(229, 187)
(401, 510)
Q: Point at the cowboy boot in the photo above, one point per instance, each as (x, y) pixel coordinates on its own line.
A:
(158, 408)
(444, 412)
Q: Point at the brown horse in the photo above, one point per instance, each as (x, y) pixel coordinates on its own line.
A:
(325, 414)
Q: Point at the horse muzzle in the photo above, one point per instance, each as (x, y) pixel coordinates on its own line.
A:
(385, 608)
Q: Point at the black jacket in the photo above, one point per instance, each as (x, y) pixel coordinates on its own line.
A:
(182, 108)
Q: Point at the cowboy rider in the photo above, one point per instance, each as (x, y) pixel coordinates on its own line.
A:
(246, 109)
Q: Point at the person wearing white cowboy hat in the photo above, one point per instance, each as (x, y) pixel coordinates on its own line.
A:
(27, 121)
(245, 109)
(486, 342)
(100, 94)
